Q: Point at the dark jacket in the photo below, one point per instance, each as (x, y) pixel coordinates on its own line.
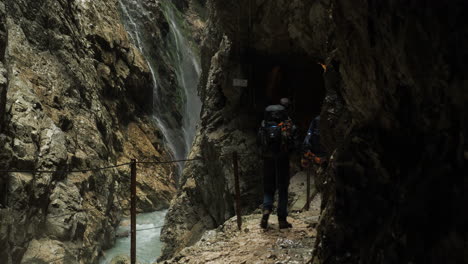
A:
(312, 140)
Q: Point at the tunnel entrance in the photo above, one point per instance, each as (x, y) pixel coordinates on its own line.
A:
(296, 77)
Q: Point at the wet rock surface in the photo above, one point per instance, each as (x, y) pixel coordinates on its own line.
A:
(393, 188)
(75, 94)
(252, 244)
(393, 121)
(206, 196)
(229, 121)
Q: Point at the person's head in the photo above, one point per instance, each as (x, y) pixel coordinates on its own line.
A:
(284, 102)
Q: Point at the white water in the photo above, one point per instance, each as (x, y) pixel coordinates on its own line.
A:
(148, 243)
(187, 66)
(128, 8)
(188, 74)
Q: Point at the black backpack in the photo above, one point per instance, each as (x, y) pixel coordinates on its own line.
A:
(275, 133)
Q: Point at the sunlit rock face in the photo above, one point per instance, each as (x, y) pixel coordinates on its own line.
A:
(75, 94)
(396, 184)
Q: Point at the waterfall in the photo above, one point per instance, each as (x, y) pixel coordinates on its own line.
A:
(188, 73)
(179, 54)
(173, 52)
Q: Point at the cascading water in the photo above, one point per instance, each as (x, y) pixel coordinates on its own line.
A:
(133, 12)
(188, 73)
(178, 128)
(185, 62)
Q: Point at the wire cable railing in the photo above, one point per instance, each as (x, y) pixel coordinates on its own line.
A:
(133, 171)
(114, 166)
(66, 171)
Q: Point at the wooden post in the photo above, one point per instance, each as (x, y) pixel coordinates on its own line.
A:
(307, 205)
(133, 212)
(237, 187)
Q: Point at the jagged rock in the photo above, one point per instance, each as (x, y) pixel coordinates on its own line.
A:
(401, 87)
(120, 260)
(393, 121)
(45, 251)
(64, 212)
(75, 93)
(228, 120)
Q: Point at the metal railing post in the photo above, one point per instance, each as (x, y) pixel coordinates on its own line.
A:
(237, 187)
(133, 181)
(307, 205)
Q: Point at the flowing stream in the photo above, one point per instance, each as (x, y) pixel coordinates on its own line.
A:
(181, 56)
(148, 243)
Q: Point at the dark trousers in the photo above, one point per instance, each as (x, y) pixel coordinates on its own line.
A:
(276, 176)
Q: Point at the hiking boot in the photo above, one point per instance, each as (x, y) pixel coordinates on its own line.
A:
(264, 221)
(284, 224)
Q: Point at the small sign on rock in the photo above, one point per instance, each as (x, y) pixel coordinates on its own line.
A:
(240, 82)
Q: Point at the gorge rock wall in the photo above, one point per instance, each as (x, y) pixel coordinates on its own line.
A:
(393, 120)
(394, 192)
(229, 119)
(75, 94)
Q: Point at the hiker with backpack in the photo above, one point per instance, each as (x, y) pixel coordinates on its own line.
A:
(277, 137)
(313, 152)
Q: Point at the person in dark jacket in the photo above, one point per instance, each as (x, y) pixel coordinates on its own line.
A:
(277, 137)
(312, 148)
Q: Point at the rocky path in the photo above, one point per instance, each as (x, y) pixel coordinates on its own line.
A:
(253, 244)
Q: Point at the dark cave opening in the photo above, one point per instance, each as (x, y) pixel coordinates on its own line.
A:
(296, 77)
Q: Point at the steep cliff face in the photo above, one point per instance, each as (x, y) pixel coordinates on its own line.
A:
(393, 119)
(395, 185)
(243, 39)
(75, 94)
